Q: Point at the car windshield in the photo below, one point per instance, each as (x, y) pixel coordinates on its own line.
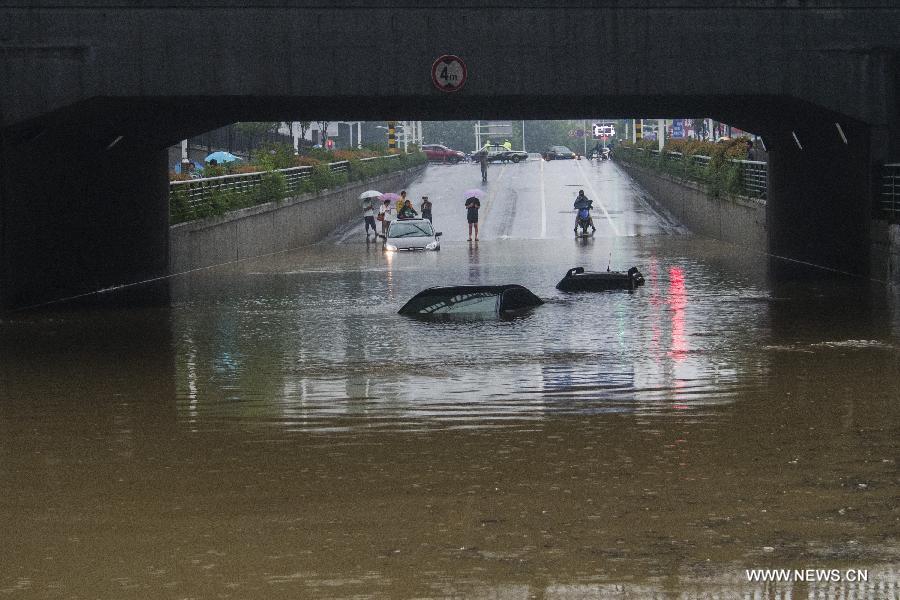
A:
(561, 149)
(399, 229)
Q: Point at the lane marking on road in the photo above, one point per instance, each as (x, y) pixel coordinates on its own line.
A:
(489, 201)
(543, 204)
(596, 197)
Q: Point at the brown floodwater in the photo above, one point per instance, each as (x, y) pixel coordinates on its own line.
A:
(276, 430)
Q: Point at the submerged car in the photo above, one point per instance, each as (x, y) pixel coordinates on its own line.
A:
(579, 280)
(495, 300)
(557, 152)
(412, 234)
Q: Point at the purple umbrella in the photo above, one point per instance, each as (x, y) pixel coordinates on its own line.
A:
(474, 193)
(390, 196)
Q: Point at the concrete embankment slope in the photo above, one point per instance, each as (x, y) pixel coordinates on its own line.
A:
(274, 226)
(740, 221)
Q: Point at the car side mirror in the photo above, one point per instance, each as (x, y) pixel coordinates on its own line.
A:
(438, 233)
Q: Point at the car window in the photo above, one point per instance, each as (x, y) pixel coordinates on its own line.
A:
(399, 229)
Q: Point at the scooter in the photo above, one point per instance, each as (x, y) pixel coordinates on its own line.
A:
(583, 220)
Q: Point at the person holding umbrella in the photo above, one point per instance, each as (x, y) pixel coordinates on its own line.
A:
(473, 204)
(386, 215)
(368, 207)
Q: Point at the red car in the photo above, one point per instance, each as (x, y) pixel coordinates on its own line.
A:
(441, 153)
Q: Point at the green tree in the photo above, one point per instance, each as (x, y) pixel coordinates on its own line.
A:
(323, 131)
(254, 130)
(459, 135)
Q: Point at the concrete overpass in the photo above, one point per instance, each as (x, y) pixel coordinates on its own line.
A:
(95, 90)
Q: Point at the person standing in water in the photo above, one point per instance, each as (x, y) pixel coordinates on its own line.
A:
(369, 215)
(472, 206)
(426, 208)
(386, 212)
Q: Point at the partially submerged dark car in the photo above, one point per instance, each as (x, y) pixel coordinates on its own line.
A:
(466, 300)
(579, 280)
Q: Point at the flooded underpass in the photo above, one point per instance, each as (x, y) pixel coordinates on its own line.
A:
(276, 430)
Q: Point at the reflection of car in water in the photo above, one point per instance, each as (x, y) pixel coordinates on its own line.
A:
(501, 154)
(412, 234)
(557, 152)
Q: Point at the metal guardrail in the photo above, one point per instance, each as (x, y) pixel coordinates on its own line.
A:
(889, 198)
(754, 173)
(199, 191)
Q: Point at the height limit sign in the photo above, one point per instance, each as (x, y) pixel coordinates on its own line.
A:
(448, 73)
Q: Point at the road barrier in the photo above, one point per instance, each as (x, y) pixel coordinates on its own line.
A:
(753, 173)
(889, 204)
(198, 192)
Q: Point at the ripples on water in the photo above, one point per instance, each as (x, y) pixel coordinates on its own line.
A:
(329, 344)
(279, 431)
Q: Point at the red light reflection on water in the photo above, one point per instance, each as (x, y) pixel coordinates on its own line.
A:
(677, 300)
(656, 335)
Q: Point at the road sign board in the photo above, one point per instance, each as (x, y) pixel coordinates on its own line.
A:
(448, 73)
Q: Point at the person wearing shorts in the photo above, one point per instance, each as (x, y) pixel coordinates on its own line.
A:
(426, 208)
(369, 216)
(387, 215)
(472, 206)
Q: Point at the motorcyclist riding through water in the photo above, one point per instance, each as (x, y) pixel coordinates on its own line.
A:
(583, 217)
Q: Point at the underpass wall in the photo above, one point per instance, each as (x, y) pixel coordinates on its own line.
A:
(274, 226)
(739, 221)
(885, 239)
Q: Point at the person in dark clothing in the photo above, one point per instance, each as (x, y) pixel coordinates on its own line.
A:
(472, 206)
(482, 158)
(426, 208)
(407, 211)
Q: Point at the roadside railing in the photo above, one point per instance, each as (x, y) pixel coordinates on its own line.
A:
(198, 192)
(753, 173)
(889, 197)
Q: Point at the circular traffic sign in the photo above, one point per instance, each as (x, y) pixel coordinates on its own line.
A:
(448, 73)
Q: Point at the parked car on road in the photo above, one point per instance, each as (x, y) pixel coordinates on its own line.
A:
(440, 153)
(557, 152)
(412, 234)
(501, 154)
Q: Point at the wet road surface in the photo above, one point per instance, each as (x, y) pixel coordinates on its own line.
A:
(278, 431)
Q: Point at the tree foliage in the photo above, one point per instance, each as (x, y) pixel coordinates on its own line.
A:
(460, 135)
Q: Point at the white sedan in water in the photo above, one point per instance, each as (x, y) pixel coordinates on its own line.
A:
(412, 234)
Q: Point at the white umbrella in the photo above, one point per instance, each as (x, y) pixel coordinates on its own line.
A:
(368, 195)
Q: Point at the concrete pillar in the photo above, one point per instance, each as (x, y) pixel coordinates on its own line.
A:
(79, 215)
(820, 196)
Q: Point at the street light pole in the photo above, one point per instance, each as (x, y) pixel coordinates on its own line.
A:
(523, 137)
(584, 135)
